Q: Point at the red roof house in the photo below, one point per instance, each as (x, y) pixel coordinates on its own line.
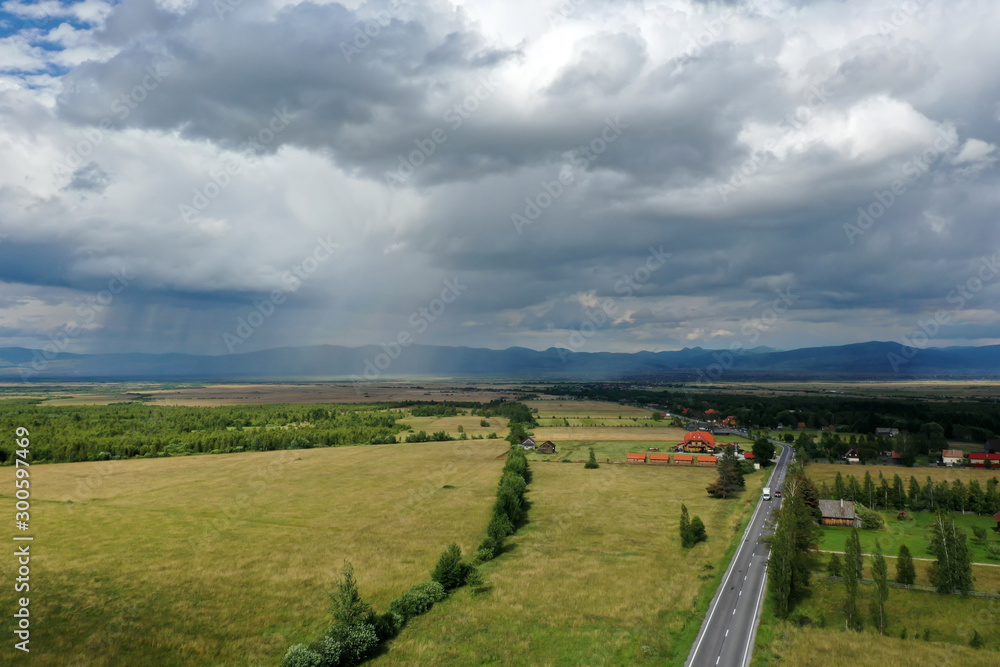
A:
(748, 456)
(635, 458)
(683, 460)
(659, 459)
(698, 441)
(708, 460)
(979, 459)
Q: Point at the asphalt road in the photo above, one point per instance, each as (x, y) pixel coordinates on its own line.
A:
(727, 635)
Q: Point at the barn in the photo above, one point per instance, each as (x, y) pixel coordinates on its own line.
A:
(547, 447)
(683, 460)
(659, 459)
(708, 460)
(839, 513)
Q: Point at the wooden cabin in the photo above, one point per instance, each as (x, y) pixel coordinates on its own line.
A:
(635, 458)
(547, 447)
(683, 460)
(708, 460)
(659, 459)
(839, 513)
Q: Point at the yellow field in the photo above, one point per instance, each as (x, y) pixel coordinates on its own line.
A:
(596, 577)
(561, 408)
(827, 472)
(228, 559)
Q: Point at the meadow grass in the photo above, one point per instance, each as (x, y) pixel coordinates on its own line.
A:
(827, 472)
(228, 559)
(596, 576)
(915, 534)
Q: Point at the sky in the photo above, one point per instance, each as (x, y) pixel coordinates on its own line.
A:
(220, 176)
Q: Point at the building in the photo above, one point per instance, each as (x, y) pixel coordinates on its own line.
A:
(659, 459)
(635, 458)
(952, 457)
(729, 421)
(683, 460)
(887, 432)
(979, 459)
(852, 455)
(708, 460)
(802, 424)
(547, 447)
(992, 446)
(748, 456)
(697, 441)
(528, 443)
(839, 513)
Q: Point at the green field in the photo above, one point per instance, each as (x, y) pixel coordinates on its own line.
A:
(597, 576)
(937, 630)
(914, 534)
(228, 559)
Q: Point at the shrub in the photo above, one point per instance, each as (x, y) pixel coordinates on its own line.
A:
(450, 571)
(484, 554)
(331, 650)
(833, 567)
(357, 642)
(870, 519)
(592, 461)
(500, 527)
(484, 423)
(417, 600)
(508, 504)
(300, 655)
(993, 551)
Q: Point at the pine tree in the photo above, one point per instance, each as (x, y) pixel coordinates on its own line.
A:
(592, 461)
(685, 527)
(730, 479)
(869, 490)
(898, 493)
(839, 490)
(834, 567)
(953, 569)
(880, 574)
(906, 574)
(915, 496)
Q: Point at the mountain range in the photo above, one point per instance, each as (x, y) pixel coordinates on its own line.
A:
(875, 360)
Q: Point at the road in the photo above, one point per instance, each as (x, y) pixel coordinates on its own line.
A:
(727, 635)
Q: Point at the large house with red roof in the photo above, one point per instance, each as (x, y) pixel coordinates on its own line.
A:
(697, 441)
(979, 459)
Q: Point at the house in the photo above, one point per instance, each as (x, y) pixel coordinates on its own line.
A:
(802, 424)
(659, 459)
(953, 457)
(719, 430)
(748, 456)
(992, 446)
(729, 421)
(683, 459)
(887, 432)
(528, 443)
(697, 441)
(839, 513)
(547, 447)
(852, 455)
(979, 459)
(708, 460)
(635, 458)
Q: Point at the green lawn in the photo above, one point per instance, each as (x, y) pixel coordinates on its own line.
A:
(914, 534)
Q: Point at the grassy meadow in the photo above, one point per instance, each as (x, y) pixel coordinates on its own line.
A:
(914, 534)
(228, 559)
(936, 630)
(597, 575)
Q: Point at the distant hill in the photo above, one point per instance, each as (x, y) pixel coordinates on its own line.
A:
(880, 360)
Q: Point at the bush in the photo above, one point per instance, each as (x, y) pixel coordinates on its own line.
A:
(300, 655)
(592, 461)
(870, 519)
(331, 650)
(484, 554)
(450, 572)
(993, 551)
(499, 528)
(417, 600)
(834, 566)
(484, 423)
(357, 642)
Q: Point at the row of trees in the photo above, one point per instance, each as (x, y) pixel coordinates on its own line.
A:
(796, 536)
(942, 496)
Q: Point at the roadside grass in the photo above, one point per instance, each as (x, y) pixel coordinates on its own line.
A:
(229, 559)
(596, 576)
(915, 534)
(827, 472)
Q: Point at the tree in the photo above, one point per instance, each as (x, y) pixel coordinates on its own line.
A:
(869, 490)
(839, 490)
(906, 574)
(450, 572)
(685, 528)
(852, 573)
(880, 574)
(692, 530)
(915, 495)
(898, 494)
(833, 568)
(346, 605)
(592, 461)
(793, 542)
(763, 451)
(697, 529)
(730, 479)
(953, 568)
(657, 416)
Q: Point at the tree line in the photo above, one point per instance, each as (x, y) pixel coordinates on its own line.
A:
(943, 496)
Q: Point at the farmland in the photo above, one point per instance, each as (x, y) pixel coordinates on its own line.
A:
(597, 576)
(226, 559)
